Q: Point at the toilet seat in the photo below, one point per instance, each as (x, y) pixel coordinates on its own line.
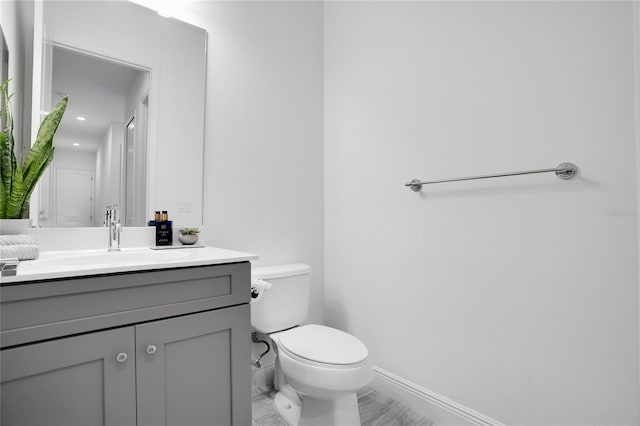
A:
(322, 345)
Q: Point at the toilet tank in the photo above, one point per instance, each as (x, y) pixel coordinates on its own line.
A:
(286, 303)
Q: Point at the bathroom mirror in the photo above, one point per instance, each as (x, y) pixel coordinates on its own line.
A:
(133, 132)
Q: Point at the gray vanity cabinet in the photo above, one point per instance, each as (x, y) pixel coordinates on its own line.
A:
(186, 367)
(83, 380)
(151, 348)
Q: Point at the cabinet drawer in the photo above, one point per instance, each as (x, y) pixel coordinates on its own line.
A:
(42, 310)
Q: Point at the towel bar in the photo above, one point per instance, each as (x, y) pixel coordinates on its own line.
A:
(563, 171)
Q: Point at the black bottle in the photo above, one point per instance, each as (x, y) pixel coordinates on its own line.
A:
(164, 233)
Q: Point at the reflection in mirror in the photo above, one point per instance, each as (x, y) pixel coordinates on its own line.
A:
(4, 66)
(152, 158)
(99, 160)
(134, 200)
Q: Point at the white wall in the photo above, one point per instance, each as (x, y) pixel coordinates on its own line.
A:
(74, 159)
(16, 19)
(107, 171)
(264, 147)
(136, 106)
(515, 297)
(101, 179)
(138, 90)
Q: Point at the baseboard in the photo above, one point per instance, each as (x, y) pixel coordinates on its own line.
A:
(263, 377)
(441, 410)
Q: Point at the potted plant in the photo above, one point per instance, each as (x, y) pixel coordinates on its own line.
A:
(18, 182)
(188, 236)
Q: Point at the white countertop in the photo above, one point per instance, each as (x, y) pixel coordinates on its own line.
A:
(75, 263)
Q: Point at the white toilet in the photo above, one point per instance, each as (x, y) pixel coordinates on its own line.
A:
(318, 368)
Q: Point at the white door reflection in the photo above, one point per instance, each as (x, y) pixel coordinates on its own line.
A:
(74, 197)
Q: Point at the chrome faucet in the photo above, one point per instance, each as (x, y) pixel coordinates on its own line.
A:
(113, 222)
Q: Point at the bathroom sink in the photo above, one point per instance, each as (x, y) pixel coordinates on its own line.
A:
(112, 258)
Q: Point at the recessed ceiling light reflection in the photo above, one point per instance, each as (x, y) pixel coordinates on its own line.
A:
(76, 144)
(80, 118)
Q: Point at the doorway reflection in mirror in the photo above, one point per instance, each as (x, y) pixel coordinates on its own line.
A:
(101, 145)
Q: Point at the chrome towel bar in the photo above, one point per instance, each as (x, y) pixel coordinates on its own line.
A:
(563, 171)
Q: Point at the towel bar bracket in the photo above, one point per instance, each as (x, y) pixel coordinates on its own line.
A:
(566, 170)
(563, 171)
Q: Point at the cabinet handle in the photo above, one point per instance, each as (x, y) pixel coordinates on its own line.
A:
(151, 349)
(121, 357)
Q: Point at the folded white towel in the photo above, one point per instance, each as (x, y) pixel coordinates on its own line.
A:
(22, 239)
(21, 251)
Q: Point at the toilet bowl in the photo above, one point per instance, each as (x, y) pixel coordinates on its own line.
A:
(325, 367)
(318, 368)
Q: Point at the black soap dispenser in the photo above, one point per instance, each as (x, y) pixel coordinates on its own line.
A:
(164, 232)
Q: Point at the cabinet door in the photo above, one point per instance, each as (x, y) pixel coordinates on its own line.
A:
(195, 370)
(83, 380)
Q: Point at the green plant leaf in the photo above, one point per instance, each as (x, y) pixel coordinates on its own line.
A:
(5, 162)
(17, 183)
(3, 201)
(43, 147)
(7, 155)
(15, 198)
(27, 190)
(41, 152)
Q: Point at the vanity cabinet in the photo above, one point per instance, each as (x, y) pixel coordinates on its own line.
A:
(72, 381)
(179, 354)
(185, 368)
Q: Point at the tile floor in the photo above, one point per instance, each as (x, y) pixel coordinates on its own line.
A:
(376, 409)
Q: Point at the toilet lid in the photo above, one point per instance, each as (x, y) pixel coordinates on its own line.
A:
(322, 344)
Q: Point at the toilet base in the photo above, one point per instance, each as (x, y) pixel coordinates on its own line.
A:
(316, 412)
(338, 412)
(288, 405)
